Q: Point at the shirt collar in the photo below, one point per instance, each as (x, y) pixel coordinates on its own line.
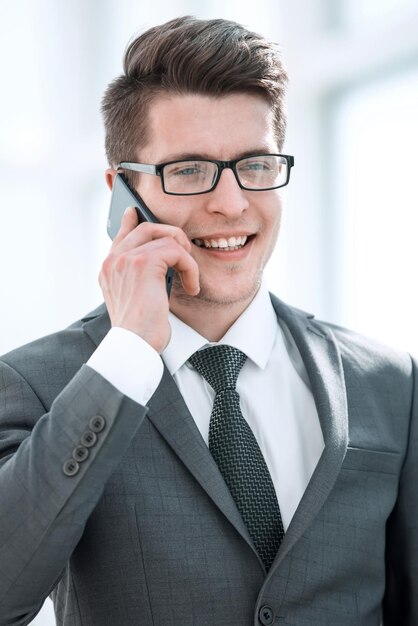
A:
(254, 333)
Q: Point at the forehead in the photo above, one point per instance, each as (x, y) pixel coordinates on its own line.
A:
(217, 127)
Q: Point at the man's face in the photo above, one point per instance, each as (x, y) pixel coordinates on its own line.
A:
(222, 128)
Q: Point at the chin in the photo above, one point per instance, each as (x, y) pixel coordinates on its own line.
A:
(220, 294)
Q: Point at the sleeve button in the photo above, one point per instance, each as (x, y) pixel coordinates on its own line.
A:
(80, 453)
(97, 423)
(70, 467)
(88, 438)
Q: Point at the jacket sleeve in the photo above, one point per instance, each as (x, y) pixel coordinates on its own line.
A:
(53, 469)
(400, 604)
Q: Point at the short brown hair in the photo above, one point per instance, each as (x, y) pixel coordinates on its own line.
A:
(186, 55)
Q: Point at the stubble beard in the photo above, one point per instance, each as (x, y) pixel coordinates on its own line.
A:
(210, 298)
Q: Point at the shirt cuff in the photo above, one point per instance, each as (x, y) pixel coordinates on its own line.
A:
(129, 363)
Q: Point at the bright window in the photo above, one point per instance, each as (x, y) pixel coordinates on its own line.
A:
(376, 204)
(356, 14)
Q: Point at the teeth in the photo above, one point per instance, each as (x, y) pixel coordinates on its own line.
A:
(232, 243)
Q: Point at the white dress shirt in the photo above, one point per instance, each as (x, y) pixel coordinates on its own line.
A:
(273, 385)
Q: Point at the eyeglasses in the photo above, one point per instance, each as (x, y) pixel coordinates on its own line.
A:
(259, 172)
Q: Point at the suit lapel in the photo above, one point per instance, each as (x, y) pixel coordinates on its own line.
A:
(171, 417)
(322, 360)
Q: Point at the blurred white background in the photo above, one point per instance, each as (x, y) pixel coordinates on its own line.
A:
(348, 249)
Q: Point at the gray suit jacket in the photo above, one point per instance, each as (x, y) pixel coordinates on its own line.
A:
(144, 531)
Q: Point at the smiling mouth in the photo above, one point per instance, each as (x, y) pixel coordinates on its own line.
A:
(223, 244)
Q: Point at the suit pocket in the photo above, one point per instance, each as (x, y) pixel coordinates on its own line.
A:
(366, 460)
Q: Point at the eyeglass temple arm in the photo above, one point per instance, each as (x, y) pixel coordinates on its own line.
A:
(139, 167)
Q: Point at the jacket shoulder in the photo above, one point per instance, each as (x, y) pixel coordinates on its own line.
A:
(366, 353)
(361, 351)
(49, 362)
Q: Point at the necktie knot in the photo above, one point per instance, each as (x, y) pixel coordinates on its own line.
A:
(219, 365)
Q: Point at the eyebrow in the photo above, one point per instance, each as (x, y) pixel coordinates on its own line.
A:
(188, 156)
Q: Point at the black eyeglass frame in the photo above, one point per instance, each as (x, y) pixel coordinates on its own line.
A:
(158, 170)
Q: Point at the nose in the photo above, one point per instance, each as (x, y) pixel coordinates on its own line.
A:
(227, 198)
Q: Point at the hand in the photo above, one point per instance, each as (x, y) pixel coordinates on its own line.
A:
(132, 276)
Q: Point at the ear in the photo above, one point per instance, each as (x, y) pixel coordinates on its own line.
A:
(110, 177)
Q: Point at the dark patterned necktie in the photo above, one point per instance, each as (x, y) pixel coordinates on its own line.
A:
(236, 451)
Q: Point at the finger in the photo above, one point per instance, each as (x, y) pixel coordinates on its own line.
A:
(164, 253)
(190, 278)
(148, 231)
(128, 223)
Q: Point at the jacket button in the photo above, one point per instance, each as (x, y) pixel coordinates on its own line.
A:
(70, 467)
(97, 423)
(266, 615)
(88, 439)
(80, 453)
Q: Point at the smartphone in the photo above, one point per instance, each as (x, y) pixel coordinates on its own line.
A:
(124, 196)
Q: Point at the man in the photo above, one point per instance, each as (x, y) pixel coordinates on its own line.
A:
(145, 482)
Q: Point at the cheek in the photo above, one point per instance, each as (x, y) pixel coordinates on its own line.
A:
(272, 220)
(167, 209)
(272, 229)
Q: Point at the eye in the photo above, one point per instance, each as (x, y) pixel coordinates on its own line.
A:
(186, 169)
(255, 165)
